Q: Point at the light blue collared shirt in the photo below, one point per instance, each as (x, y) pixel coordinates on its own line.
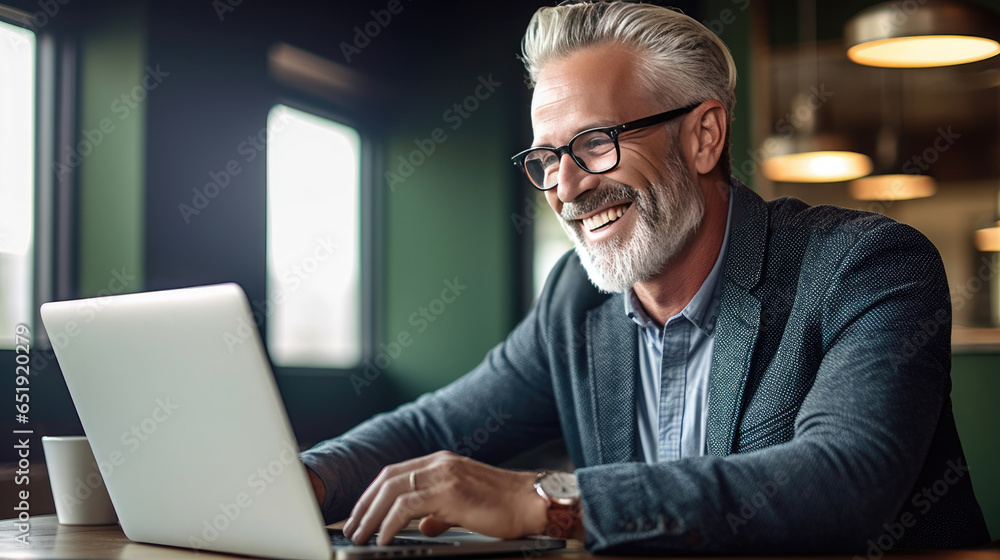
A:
(674, 368)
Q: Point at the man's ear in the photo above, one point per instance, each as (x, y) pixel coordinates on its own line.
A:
(710, 126)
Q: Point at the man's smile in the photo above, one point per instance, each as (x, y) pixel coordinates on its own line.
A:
(604, 218)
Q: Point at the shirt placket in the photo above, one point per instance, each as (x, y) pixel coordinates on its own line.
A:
(673, 377)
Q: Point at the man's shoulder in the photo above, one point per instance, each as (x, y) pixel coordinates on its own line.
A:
(816, 245)
(791, 221)
(789, 213)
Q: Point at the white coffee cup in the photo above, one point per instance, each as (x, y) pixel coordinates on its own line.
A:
(77, 485)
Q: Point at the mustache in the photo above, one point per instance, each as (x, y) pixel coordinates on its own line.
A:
(595, 199)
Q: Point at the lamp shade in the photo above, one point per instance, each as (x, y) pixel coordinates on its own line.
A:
(988, 239)
(922, 35)
(892, 187)
(823, 158)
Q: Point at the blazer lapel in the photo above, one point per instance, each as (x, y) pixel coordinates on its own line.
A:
(739, 318)
(612, 364)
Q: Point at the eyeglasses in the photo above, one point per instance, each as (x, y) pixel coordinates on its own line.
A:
(595, 150)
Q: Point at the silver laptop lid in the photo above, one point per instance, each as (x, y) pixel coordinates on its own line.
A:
(177, 397)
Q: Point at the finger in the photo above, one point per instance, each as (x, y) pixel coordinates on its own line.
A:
(361, 506)
(407, 507)
(432, 526)
(391, 490)
(364, 502)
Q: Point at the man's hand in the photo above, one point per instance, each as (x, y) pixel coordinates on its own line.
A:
(444, 490)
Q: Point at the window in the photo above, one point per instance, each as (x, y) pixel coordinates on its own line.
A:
(551, 242)
(313, 241)
(17, 177)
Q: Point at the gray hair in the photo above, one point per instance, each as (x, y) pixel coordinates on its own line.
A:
(682, 61)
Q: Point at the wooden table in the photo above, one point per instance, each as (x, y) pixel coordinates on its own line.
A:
(48, 539)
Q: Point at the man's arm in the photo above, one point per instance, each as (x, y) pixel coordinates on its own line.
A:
(317, 485)
(494, 412)
(861, 434)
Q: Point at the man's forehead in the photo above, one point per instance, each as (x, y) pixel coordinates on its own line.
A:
(558, 97)
(589, 87)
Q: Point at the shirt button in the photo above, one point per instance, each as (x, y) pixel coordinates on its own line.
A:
(630, 526)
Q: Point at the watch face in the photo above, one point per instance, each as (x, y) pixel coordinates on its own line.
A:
(560, 486)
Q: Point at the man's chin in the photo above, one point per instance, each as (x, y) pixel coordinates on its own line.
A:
(601, 273)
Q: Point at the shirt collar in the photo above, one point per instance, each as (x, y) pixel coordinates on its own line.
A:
(703, 309)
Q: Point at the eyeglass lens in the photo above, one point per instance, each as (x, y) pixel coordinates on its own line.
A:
(594, 151)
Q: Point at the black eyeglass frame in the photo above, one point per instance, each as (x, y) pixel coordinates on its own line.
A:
(613, 131)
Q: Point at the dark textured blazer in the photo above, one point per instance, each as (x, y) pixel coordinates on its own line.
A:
(830, 426)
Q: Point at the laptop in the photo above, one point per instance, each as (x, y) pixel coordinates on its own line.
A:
(178, 400)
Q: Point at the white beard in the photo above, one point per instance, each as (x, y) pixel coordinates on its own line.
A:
(667, 217)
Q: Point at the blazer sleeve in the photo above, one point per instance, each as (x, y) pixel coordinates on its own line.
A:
(860, 436)
(499, 409)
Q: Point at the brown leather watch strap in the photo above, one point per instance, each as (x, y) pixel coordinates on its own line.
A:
(563, 521)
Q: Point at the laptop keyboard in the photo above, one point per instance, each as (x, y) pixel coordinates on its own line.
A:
(338, 539)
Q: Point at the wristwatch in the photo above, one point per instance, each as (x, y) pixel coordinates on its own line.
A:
(560, 492)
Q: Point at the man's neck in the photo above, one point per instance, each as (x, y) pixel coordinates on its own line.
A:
(669, 292)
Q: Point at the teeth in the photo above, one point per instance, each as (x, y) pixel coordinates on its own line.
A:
(603, 218)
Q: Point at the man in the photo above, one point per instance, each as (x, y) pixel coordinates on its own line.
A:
(729, 375)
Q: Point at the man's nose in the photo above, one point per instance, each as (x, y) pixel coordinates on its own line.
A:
(573, 180)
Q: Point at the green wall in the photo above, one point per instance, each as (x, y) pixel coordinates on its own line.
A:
(112, 153)
(732, 22)
(448, 219)
(975, 395)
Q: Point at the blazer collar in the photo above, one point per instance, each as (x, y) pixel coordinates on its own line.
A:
(613, 366)
(739, 318)
(748, 236)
